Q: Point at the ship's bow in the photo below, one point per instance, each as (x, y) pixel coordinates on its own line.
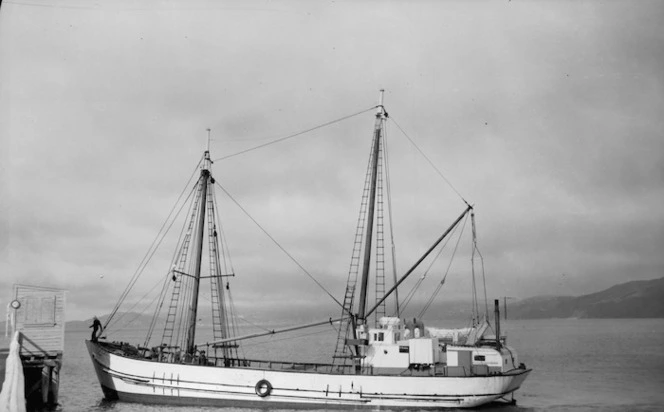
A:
(101, 361)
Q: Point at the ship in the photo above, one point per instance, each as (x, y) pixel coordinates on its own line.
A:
(381, 359)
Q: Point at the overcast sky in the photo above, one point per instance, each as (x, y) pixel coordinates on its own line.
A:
(547, 116)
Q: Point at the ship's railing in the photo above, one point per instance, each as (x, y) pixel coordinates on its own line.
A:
(280, 365)
(164, 355)
(172, 354)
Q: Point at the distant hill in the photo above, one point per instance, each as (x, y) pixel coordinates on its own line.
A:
(637, 299)
(126, 320)
(272, 317)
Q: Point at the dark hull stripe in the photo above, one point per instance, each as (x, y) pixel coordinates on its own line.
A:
(257, 402)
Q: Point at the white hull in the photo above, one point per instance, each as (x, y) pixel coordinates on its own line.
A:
(136, 380)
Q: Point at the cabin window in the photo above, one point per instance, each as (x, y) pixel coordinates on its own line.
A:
(403, 349)
(381, 336)
(375, 337)
(479, 358)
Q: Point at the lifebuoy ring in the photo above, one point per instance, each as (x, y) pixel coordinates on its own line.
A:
(263, 388)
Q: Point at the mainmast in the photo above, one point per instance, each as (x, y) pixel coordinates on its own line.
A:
(203, 183)
(378, 128)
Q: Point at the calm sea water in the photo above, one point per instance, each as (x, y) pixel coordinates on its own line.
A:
(578, 365)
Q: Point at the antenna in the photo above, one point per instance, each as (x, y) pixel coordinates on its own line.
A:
(381, 109)
(207, 164)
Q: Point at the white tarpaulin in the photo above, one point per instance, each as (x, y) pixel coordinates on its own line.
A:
(12, 397)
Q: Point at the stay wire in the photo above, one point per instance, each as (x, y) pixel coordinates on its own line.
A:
(391, 224)
(278, 245)
(167, 279)
(430, 162)
(161, 296)
(412, 291)
(270, 341)
(449, 266)
(151, 250)
(476, 249)
(486, 301)
(136, 314)
(419, 282)
(254, 324)
(296, 134)
(225, 250)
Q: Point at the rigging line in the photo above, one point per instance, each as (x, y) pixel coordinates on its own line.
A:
(119, 318)
(136, 315)
(219, 236)
(426, 272)
(470, 324)
(295, 134)
(225, 250)
(486, 301)
(442, 282)
(234, 324)
(272, 340)
(230, 328)
(151, 250)
(53, 6)
(475, 308)
(135, 279)
(179, 260)
(177, 253)
(157, 310)
(152, 247)
(449, 266)
(430, 162)
(216, 284)
(477, 249)
(420, 260)
(389, 211)
(153, 322)
(156, 242)
(254, 324)
(411, 293)
(165, 281)
(175, 261)
(278, 245)
(125, 326)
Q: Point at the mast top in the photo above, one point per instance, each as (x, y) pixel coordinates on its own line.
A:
(381, 110)
(207, 162)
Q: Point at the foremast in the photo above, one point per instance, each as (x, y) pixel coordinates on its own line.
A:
(189, 268)
(203, 182)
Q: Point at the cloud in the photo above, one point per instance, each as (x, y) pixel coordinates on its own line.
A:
(547, 118)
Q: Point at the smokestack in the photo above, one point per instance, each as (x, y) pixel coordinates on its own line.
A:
(497, 315)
